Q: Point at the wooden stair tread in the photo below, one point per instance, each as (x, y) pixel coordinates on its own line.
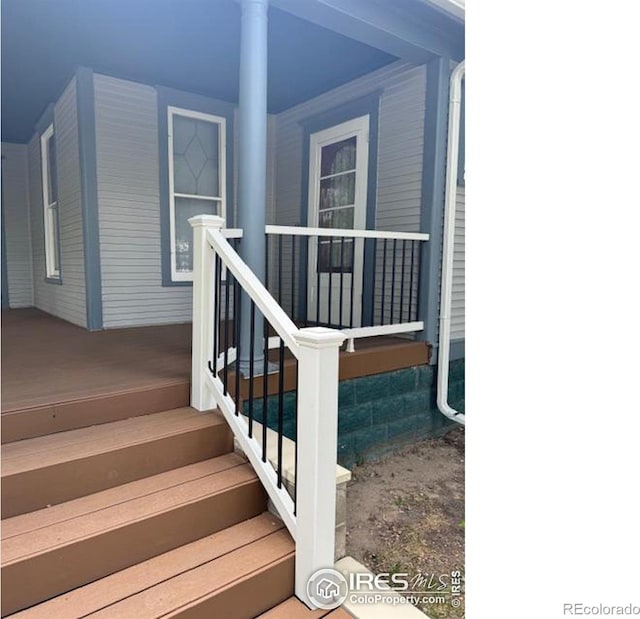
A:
(49, 470)
(53, 449)
(25, 523)
(112, 516)
(178, 594)
(136, 579)
(91, 538)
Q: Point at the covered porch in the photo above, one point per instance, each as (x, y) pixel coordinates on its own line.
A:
(57, 376)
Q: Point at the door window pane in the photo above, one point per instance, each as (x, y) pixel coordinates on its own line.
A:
(338, 157)
(336, 256)
(337, 218)
(338, 190)
(184, 209)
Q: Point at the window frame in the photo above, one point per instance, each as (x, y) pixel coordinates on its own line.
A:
(221, 121)
(51, 230)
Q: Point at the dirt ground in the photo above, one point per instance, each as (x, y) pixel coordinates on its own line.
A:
(406, 514)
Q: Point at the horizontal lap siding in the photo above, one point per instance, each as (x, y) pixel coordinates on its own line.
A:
(15, 194)
(67, 301)
(457, 303)
(400, 157)
(129, 208)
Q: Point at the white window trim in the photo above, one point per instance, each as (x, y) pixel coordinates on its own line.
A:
(172, 111)
(51, 241)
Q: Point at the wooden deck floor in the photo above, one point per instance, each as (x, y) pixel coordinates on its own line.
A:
(47, 361)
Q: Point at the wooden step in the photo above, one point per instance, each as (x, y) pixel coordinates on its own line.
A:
(20, 422)
(127, 591)
(49, 470)
(53, 551)
(293, 608)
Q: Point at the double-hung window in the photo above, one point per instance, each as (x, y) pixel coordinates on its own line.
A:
(50, 202)
(197, 173)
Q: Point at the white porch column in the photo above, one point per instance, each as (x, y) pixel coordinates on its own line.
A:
(252, 173)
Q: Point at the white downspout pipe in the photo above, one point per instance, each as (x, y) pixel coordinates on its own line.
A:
(446, 285)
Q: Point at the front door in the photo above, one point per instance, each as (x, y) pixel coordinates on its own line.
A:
(338, 161)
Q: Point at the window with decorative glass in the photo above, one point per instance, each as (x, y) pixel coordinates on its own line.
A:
(197, 173)
(50, 203)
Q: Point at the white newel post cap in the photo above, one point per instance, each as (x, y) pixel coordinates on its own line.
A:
(206, 221)
(319, 337)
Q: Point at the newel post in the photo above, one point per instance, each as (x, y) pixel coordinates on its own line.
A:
(317, 452)
(203, 304)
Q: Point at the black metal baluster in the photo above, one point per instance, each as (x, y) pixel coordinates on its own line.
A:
(252, 332)
(318, 281)
(341, 281)
(237, 309)
(265, 407)
(280, 411)
(384, 279)
(330, 281)
(293, 276)
(393, 279)
(226, 330)
(413, 247)
(353, 272)
(419, 287)
(280, 269)
(402, 278)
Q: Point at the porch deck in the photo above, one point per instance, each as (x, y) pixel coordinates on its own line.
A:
(55, 371)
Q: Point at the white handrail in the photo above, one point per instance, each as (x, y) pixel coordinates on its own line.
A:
(347, 233)
(312, 521)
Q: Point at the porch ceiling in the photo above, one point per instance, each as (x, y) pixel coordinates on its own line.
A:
(191, 45)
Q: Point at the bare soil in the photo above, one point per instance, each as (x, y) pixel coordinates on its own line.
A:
(406, 514)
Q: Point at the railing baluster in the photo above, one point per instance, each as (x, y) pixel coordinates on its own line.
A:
(329, 307)
(384, 278)
(237, 305)
(393, 278)
(318, 281)
(353, 272)
(265, 393)
(419, 291)
(340, 325)
(293, 277)
(413, 247)
(226, 331)
(280, 411)
(404, 242)
(280, 269)
(251, 368)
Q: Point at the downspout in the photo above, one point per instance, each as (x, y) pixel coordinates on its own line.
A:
(446, 284)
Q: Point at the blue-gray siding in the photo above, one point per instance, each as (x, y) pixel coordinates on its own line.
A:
(15, 192)
(128, 207)
(68, 300)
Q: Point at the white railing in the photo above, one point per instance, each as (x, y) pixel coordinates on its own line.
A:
(312, 522)
(403, 277)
